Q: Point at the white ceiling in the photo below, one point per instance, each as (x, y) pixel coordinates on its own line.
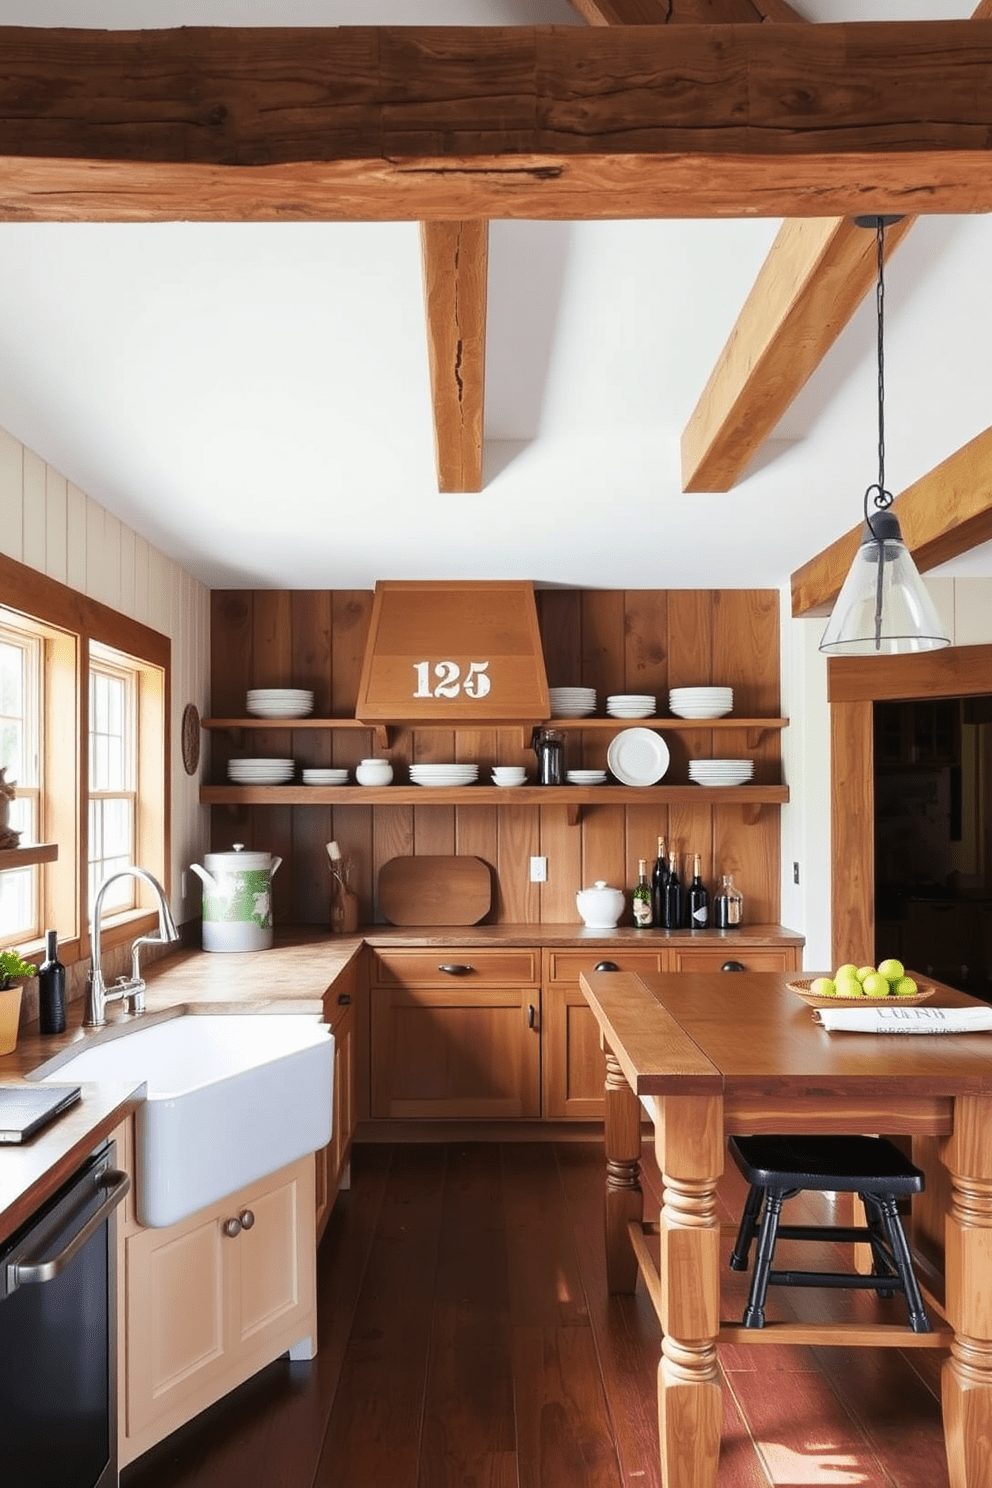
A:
(254, 399)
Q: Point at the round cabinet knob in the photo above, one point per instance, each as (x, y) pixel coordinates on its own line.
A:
(232, 1228)
(247, 1219)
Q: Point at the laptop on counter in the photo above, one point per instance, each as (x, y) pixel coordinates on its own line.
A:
(25, 1109)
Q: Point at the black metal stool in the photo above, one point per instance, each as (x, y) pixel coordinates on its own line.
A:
(778, 1167)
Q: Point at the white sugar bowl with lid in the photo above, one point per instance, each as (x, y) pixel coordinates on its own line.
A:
(601, 906)
(374, 772)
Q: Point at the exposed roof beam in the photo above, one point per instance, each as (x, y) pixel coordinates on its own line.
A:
(945, 513)
(668, 12)
(408, 123)
(456, 258)
(816, 274)
(780, 337)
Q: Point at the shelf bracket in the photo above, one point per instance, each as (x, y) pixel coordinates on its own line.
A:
(751, 813)
(383, 736)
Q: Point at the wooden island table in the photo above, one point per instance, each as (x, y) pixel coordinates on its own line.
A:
(711, 1054)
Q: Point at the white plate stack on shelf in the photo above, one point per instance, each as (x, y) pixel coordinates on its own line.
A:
(721, 771)
(260, 771)
(631, 705)
(572, 702)
(444, 775)
(316, 776)
(701, 702)
(280, 702)
(586, 777)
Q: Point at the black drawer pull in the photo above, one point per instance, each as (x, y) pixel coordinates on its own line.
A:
(733, 966)
(606, 966)
(344, 999)
(456, 968)
(531, 1016)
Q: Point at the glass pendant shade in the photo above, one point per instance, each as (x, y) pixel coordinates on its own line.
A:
(883, 608)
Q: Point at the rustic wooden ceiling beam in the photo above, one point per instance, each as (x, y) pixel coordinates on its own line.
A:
(459, 123)
(817, 272)
(455, 259)
(676, 12)
(945, 513)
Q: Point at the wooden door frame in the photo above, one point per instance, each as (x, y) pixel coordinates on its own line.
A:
(854, 685)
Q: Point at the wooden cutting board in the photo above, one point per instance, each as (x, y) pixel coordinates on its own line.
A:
(435, 890)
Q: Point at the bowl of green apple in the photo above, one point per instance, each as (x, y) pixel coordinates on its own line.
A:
(852, 984)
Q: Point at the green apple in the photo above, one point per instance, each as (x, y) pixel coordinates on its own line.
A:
(875, 985)
(864, 972)
(905, 987)
(848, 986)
(848, 969)
(824, 987)
(892, 970)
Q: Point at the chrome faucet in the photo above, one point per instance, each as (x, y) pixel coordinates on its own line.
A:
(128, 990)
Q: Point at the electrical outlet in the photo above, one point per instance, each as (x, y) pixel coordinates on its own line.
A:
(795, 873)
(538, 870)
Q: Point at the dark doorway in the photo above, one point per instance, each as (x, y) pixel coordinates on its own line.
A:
(933, 877)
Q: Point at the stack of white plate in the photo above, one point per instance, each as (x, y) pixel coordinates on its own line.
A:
(325, 777)
(631, 705)
(440, 775)
(260, 771)
(701, 702)
(720, 771)
(586, 777)
(280, 702)
(572, 702)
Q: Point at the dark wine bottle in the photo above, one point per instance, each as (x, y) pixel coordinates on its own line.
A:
(643, 917)
(659, 878)
(51, 987)
(699, 899)
(673, 896)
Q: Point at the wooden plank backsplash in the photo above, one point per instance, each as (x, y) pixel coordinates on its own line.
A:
(613, 640)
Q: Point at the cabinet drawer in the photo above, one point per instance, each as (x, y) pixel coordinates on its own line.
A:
(425, 968)
(712, 958)
(566, 966)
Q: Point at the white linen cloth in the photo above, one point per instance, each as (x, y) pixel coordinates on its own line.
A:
(905, 1019)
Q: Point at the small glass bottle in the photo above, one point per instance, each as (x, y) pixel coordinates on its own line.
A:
(643, 917)
(728, 906)
(699, 899)
(51, 987)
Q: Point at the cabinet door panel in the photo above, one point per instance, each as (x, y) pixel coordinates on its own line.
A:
(711, 958)
(574, 1066)
(459, 1052)
(175, 1306)
(270, 1258)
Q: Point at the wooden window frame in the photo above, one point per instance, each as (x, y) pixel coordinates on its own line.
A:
(854, 685)
(81, 621)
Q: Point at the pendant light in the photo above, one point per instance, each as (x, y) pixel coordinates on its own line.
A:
(883, 608)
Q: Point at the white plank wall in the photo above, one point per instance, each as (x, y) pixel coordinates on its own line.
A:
(49, 524)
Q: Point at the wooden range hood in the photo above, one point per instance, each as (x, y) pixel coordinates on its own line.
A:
(453, 652)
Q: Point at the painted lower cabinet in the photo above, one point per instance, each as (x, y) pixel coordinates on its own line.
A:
(456, 1033)
(211, 1300)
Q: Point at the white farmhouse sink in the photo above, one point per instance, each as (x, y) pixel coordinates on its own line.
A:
(230, 1098)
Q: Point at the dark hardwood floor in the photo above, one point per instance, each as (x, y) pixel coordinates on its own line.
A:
(467, 1341)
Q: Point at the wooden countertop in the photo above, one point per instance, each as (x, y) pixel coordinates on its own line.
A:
(291, 977)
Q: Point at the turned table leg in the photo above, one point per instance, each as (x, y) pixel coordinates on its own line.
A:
(966, 1382)
(689, 1143)
(624, 1199)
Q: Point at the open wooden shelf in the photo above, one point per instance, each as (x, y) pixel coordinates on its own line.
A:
(754, 797)
(26, 857)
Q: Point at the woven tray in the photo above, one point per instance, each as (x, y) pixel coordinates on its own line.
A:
(801, 985)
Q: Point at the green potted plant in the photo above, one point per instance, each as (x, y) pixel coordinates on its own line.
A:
(12, 969)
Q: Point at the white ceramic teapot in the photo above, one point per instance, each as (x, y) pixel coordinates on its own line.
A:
(601, 906)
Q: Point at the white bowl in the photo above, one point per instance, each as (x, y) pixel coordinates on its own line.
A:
(374, 772)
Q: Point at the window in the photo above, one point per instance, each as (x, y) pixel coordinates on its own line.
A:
(113, 777)
(20, 735)
(84, 707)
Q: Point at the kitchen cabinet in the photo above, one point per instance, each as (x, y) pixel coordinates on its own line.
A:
(209, 1301)
(456, 1033)
(331, 1162)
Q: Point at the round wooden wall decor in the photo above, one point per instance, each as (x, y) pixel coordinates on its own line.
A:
(191, 739)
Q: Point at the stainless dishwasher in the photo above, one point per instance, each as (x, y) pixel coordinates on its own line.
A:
(58, 1336)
